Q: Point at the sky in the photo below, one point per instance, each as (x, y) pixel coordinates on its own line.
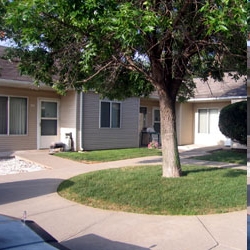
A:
(5, 43)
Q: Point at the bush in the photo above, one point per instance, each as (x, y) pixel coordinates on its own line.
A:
(233, 122)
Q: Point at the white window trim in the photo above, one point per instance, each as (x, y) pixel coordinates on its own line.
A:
(110, 122)
(8, 110)
(210, 108)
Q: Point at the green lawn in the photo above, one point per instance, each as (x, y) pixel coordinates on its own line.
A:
(201, 190)
(229, 156)
(109, 155)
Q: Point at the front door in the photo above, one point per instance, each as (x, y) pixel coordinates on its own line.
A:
(48, 125)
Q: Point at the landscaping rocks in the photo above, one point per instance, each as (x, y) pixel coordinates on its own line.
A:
(15, 165)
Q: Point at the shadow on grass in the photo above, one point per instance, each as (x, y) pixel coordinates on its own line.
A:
(64, 185)
(235, 173)
(198, 170)
(230, 173)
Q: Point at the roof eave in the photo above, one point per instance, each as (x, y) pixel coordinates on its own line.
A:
(24, 84)
(217, 99)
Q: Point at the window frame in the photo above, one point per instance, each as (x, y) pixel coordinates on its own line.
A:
(8, 115)
(156, 122)
(208, 119)
(110, 114)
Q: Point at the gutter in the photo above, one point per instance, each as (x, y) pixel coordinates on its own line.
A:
(23, 84)
(81, 121)
(211, 99)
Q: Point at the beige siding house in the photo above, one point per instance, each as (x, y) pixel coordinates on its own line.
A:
(33, 117)
(197, 119)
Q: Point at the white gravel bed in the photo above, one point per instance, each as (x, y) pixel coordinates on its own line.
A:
(15, 165)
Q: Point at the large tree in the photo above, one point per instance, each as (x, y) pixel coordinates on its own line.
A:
(128, 48)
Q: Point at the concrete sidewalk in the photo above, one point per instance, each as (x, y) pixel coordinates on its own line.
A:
(81, 227)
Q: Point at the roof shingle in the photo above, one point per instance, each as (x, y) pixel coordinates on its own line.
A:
(9, 70)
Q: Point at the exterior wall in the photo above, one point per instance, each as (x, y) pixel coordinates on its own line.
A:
(185, 123)
(69, 122)
(94, 137)
(151, 104)
(28, 141)
(184, 119)
(209, 139)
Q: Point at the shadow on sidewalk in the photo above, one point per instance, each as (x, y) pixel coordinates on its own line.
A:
(26, 189)
(95, 242)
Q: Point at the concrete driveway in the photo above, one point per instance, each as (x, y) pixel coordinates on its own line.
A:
(80, 227)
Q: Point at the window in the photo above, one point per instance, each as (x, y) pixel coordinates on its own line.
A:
(208, 121)
(13, 115)
(110, 114)
(157, 120)
(48, 118)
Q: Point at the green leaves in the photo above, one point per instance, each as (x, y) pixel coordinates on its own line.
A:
(233, 121)
(91, 43)
(129, 24)
(224, 15)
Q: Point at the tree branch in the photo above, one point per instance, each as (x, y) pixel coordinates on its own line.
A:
(134, 67)
(96, 73)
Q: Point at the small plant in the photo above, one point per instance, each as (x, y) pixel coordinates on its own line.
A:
(153, 145)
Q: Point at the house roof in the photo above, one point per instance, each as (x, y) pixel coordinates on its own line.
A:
(9, 70)
(224, 89)
(215, 90)
(210, 89)
(11, 77)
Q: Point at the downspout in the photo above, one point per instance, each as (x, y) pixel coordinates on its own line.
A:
(81, 121)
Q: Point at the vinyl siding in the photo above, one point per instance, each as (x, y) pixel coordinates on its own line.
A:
(95, 137)
(28, 141)
(68, 116)
(184, 119)
(185, 123)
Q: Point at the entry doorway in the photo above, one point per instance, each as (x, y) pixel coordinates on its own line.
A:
(48, 125)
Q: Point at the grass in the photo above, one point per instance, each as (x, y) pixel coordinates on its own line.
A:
(201, 190)
(229, 156)
(109, 155)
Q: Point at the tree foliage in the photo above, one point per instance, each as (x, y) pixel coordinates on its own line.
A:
(248, 19)
(233, 122)
(86, 43)
(128, 48)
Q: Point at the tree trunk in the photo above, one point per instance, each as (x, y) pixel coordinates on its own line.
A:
(171, 161)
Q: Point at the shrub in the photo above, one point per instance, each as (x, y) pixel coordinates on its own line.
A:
(233, 122)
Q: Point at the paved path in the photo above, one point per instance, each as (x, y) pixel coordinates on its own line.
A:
(80, 227)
